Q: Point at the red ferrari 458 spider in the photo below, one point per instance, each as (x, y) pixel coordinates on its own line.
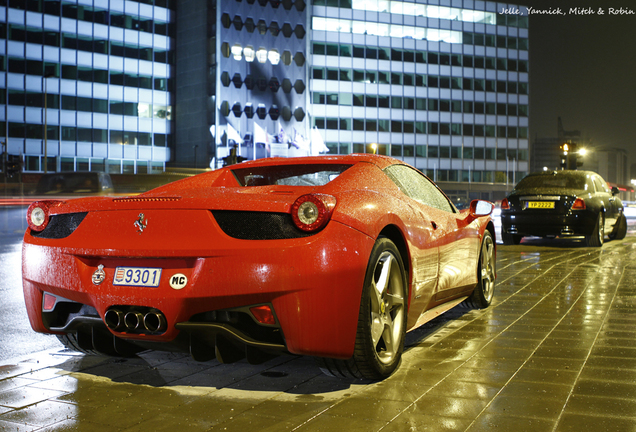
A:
(335, 257)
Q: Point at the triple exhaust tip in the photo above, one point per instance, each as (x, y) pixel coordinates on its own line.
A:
(134, 321)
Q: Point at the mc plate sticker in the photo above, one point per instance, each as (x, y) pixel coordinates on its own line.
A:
(137, 276)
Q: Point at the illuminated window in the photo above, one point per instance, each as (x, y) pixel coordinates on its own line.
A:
(237, 52)
(273, 56)
(144, 110)
(261, 55)
(383, 29)
(249, 53)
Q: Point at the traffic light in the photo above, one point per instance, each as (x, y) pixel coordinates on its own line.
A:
(569, 156)
(14, 165)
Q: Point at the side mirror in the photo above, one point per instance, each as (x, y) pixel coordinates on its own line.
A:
(615, 191)
(481, 208)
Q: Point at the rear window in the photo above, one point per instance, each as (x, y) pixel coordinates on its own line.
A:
(289, 175)
(559, 181)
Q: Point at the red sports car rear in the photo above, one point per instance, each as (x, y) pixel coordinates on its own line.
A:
(333, 257)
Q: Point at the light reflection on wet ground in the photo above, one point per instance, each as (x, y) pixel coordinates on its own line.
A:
(555, 352)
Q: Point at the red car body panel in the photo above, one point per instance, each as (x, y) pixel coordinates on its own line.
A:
(313, 283)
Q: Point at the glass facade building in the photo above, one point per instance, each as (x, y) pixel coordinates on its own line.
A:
(87, 83)
(440, 84)
(443, 86)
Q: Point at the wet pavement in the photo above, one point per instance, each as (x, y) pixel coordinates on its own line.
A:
(555, 352)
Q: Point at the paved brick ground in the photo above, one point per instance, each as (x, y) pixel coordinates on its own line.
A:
(555, 352)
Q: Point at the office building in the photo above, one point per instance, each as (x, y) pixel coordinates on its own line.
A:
(86, 86)
(441, 86)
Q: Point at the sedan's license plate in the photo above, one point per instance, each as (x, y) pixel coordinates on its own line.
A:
(540, 204)
(137, 276)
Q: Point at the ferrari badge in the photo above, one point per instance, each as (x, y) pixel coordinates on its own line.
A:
(99, 275)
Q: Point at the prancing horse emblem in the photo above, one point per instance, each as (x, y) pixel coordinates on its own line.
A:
(141, 224)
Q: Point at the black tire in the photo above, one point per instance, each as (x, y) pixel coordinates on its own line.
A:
(511, 239)
(620, 228)
(596, 238)
(381, 319)
(69, 340)
(484, 291)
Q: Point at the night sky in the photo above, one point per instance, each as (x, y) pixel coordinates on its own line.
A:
(583, 69)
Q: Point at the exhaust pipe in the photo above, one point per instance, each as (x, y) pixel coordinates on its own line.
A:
(155, 322)
(114, 319)
(133, 320)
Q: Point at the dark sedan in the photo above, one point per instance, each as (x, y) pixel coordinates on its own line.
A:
(563, 203)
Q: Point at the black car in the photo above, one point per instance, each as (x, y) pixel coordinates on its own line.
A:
(563, 203)
(68, 183)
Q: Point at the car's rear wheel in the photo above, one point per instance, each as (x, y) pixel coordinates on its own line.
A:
(484, 291)
(596, 238)
(620, 228)
(381, 319)
(511, 239)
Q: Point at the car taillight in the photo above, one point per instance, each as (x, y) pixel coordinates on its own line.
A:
(312, 212)
(38, 215)
(579, 204)
(263, 314)
(505, 205)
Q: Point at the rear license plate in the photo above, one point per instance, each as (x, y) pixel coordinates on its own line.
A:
(137, 276)
(540, 204)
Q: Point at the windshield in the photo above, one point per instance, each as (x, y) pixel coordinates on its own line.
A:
(552, 181)
(289, 175)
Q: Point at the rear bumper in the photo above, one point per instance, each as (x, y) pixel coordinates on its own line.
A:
(542, 224)
(313, 284)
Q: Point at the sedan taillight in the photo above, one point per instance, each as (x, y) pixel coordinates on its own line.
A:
(505, 205)
(579, 204)
(311, 212)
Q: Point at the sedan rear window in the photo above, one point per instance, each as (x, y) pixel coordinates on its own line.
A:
(289, 175)
(559, 181)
